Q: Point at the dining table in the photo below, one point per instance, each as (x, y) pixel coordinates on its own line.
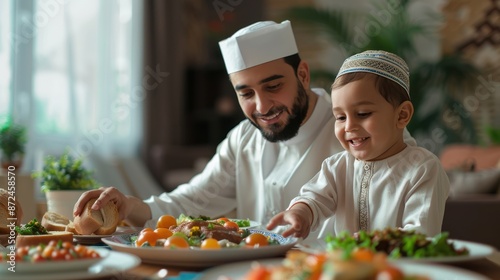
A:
(488, 266)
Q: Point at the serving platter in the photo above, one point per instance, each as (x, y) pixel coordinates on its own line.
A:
(198, 258)
(238, 270)
(476, 251)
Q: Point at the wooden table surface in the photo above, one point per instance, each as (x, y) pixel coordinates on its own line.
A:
(489, 267)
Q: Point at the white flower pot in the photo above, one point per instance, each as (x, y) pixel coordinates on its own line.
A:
(63, 201)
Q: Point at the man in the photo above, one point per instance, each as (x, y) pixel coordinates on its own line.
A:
(264, 160)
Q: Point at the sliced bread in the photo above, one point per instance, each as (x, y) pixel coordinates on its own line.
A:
(53, 221)
(100, 222)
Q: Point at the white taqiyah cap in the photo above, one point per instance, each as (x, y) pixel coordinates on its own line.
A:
(380, 63)
(258, 43)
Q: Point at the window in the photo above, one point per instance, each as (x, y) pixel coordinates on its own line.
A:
(5, 78)
(71, 67)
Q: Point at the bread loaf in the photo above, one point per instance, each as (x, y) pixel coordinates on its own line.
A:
(101, 222)
(6, 215)
(53, 221)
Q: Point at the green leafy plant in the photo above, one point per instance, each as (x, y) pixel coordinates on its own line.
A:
(65, 173)
(493, 135)
(12, 141)
(434, 85)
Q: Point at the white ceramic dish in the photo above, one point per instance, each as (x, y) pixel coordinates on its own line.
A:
(435, 272)
(253, 224)
(112, 264)
(91, 239)
(476, 251)
(54, 266)
(201, 258)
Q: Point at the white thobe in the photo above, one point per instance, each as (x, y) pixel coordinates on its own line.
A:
(407, 190)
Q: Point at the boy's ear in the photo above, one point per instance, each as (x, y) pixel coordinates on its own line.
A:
(405, 112)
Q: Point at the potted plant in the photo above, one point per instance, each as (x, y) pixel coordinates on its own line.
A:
(12, 142)
(63, 180)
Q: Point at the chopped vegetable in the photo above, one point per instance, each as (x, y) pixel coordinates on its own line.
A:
(396, 243)
(32, 228)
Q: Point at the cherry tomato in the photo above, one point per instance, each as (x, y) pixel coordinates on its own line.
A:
(47, 252)
(363, 254)
(316, 261)
(37, 257)
(258, 273)
(256, 239)
(163, 233)
(166, 221)
(231, 225)
(210, 243)
(79, 249)
(22, 251)
(147, 236)
(67, 245)
(145, 229)
(57, 255)
(176, 242)
(390, 273)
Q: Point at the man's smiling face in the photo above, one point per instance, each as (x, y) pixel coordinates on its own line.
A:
(272, 98)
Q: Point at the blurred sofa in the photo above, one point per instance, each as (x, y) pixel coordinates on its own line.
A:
(472, 211)
(473, 218)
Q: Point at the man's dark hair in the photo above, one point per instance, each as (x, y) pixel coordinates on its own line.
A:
(294, 61)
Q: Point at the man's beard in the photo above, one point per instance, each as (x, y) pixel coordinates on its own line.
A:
(276, 132)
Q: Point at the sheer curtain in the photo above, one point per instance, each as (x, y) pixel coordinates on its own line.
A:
(85, 93)
(72, 73)
(86, 57)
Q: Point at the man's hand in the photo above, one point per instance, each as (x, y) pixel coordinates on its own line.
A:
(125, 204)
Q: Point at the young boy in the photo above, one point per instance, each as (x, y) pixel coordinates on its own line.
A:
(378, 181)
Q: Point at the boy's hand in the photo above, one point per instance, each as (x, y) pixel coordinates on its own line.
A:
(298, 217)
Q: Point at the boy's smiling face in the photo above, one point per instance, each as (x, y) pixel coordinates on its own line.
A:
(367, 126)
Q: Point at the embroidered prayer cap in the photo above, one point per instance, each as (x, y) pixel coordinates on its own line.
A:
(256, 44)
(381, 63)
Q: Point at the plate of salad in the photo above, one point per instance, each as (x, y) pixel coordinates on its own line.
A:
(201, 242)
(402, 246)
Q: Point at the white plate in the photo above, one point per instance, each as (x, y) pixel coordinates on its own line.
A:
(88, 239)
(434, 272)
(201, 258)
(94, 239)
(112, 265)
(253, 224)
(53, 266)
(476, 251)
